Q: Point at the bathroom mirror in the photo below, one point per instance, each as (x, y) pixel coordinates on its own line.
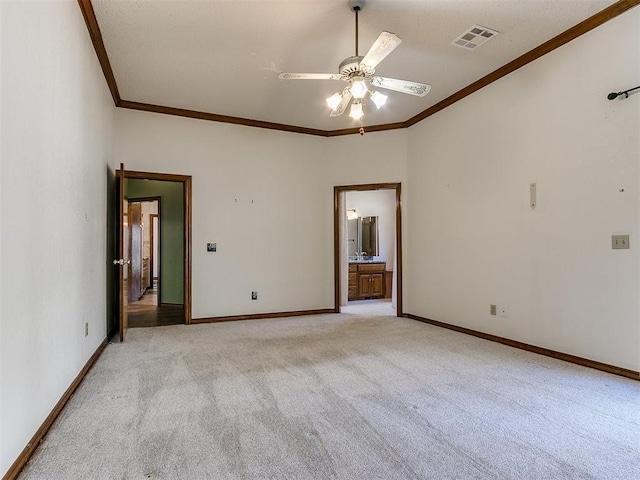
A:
(369, 236)
(362, 237)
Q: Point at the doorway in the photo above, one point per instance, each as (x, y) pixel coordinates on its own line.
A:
(144, 287)
(368, 248)
(155, 251)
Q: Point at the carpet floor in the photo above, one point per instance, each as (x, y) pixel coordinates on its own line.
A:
(338, 397)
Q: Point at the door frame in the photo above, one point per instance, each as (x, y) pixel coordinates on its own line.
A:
(186, 182)
(337, 259)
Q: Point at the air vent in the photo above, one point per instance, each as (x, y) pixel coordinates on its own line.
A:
(474, 37)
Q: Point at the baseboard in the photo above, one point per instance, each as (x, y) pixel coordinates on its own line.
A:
(171, 305)
(532, 348)
(262, 316)
(31, 447)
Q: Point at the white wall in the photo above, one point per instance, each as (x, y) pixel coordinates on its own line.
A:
(265, 198)
(473, 238)
(56, 120)
(373, 158)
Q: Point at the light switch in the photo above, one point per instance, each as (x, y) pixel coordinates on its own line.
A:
(619, 241)
(212, 247)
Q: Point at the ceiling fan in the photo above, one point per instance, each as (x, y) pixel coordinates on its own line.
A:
(359, 72)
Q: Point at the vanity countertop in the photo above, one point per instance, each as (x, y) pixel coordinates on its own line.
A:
(367, 261)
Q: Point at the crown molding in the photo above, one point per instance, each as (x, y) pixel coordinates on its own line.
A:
(212, 117)
(91, 21)
(574, 32)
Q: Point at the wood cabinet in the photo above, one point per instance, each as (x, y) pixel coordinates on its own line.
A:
(353, 281)
(366, 280)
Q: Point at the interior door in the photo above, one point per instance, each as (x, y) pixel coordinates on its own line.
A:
(122, 262)
(135, 288)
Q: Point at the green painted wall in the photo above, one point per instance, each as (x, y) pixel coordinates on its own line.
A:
(171, 233)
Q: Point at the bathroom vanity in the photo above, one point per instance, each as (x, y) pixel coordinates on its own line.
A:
(366, 280)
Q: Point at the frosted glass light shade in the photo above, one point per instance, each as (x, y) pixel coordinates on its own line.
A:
(356, 111)
(334, 100)
(358, 89)
(379, 99)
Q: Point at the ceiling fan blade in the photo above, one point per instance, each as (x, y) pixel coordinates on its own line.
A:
(308, 76)
(383, 46)
(342, 106)
(402, 86)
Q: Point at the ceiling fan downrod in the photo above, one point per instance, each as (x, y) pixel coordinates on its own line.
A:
(356, 6)
(357, 10)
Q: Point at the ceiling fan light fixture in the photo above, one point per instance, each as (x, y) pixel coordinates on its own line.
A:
(378, 98)
(334, 100)
(358, 88)
(356, 111)
(359, 73)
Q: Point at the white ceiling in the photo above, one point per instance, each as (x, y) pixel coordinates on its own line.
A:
(223, 56)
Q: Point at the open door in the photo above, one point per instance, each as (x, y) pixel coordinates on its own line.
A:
(135, 289)
(122, 261)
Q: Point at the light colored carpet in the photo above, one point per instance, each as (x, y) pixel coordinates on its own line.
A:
(339, 397)
(374, 308)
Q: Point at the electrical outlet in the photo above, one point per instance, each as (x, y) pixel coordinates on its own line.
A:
(619, 241)
(503, 311)
(86, 329)
(493, 309)
(254, 295)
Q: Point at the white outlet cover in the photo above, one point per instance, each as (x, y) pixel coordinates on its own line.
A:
(504, 311)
